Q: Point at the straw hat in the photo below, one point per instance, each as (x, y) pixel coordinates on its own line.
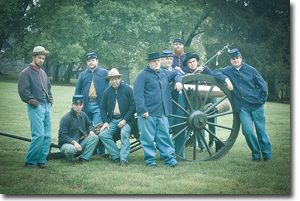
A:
(39, 50)
(113, 73)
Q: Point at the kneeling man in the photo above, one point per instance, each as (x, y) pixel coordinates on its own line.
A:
(117, 112)
(76, 133)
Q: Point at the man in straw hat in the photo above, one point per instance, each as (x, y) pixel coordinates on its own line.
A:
(249, 93)
(35, 89)
(117, 112)
(91, 84)
(152, 98)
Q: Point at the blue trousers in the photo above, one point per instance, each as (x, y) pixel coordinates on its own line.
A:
(106, 137)
(95, 117)
(40, 125)
(172, 121)
(88, 144)
(261, 143)
(156, 128)
(210, 127)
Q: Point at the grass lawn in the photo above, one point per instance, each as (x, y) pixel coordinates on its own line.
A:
(235, 173)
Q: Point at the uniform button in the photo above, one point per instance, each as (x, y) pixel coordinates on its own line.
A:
(241, 87)
(242, 97)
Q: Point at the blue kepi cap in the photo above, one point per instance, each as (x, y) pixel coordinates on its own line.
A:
(91, 55)
(77, 99)
(167, 53)
(234, 52)
(179, 40)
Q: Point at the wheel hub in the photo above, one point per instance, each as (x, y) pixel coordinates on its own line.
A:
(196, 120)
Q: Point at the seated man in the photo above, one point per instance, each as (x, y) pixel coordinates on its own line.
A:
(117, 112)
(72, 135)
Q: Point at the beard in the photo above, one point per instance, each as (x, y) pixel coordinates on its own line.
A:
(178, 51)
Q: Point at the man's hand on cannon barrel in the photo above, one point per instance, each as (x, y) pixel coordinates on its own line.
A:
(178, 86)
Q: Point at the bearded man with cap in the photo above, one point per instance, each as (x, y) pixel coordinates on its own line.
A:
(179, 55)
(249, 92)
(191, 62)
(153, 102)
(76, 133)
(117, 112)
(91, 84)
(34, 88)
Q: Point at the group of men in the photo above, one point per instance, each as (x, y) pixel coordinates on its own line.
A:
(103, 99)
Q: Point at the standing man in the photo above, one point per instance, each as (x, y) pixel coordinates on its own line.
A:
(34, 89)
(76, 133)
(91, 84)
(117, 112)
(192, 62)
(179, 55)
(166, 63)
(152, 98)
(249, 92)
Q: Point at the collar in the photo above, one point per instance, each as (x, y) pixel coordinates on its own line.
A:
(34, 67)
(177, 55)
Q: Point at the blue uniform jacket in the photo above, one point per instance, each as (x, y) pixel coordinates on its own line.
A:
(71, 127)
(125, 101)
(34, 86)
(84, 82)
(178, 60)
(249, 88)
(151, 91)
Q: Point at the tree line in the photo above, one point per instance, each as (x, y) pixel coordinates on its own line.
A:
(123, 32)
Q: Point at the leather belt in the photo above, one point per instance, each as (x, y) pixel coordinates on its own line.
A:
(93, 100)
(116, 117)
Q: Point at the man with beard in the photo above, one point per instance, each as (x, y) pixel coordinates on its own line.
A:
(34, 89)
(91, 84)
(179, 56)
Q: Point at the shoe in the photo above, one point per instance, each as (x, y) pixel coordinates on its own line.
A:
(117, 160)
(175, 165)
(30, 165)
(123, 163)
(211, 146)
(103, 155)
(42, 165)
(267, 160)
(82, 160)
(256, 160)
(202, 150)
(154, 166)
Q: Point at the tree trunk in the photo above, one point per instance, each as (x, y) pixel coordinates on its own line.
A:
(271, 89)
(67, 76)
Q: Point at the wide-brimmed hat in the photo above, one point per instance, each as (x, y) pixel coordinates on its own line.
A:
(234, 52)
(113, 73)
(39, 50)
(189, 56)
(153, 55)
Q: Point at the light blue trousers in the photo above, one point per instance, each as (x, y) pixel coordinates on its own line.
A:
(156, 128)
(40, 125)
(88, 145)
(261, 142)
(95, 117)
(106, 137)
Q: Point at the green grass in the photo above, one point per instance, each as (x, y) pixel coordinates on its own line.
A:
(235, 173)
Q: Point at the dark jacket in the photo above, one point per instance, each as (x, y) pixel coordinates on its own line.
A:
(34, 86)
(84, 82)
(249, 88)
(125, 101)
(152, 93)
(71, 127)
